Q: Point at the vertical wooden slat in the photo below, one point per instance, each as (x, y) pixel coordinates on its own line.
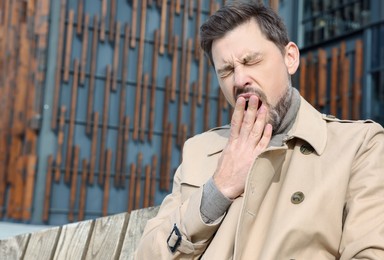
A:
(104, 126)
(103, 17)
(312, 80)
(106, 182)
(131, 191)
(178, 7)
(92, 162)
(92, 73)
(303, 75)
(116, 55)
(188, 70)
(322, 83)
(197, 27)
(357, 80)
(72, 117)
(345, 69)
(123, 94)
(334, 81)
(219, 117)
(147, 186)
(207, 100)
(48, 189)
(112, 18)
(274, 4)
(59, 55)
(68, 45)
(143, 117)
(167, 93)
(193, 110)
(174, 67)
(31, 161)
(139, 170)
(83, 190)
(200, 78)
(167, 181)
(84, 50)
(125, 151)
(73, 191)
(134, 23)
(162, 25)
(152, 107)
(170, 26)
(80, 10)
(153, 181)
(60, 142)
(139, 74)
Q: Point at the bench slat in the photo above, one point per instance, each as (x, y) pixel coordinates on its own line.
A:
(104, 243)
(73, 240)
(14, 247)
(42, 244)
(136, 225)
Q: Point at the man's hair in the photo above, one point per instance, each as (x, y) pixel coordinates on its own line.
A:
(236, 13)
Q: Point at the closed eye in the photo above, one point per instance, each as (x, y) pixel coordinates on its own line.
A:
(225, 72)
(251, 61)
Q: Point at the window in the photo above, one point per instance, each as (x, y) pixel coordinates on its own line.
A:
(327, 19)
(377, 69)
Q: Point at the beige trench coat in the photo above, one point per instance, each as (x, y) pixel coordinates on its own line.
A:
(320, 196)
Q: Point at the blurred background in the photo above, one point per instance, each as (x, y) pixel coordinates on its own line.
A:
(98, 96)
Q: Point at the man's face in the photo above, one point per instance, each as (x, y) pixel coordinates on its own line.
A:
(246, 63)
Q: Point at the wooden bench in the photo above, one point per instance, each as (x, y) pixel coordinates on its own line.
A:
(111, 237)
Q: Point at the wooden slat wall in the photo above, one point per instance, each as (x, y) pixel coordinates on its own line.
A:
(130, 38)
(331, 82)
(23, 47)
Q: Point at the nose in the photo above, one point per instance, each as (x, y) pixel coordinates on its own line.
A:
(241, 78)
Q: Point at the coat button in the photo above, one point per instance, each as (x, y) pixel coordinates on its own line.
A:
(297, 197)
(306, 149)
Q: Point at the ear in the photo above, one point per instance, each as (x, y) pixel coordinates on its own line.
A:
(292, 57)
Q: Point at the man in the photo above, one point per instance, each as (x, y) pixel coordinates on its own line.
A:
(282, 181)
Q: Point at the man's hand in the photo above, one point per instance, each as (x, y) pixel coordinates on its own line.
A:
(250, 136)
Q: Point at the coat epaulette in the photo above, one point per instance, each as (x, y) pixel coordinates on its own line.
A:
(332, 118)
(219, 128)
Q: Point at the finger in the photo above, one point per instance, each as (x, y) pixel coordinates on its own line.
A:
(237, 117)
(249, 117)
(265, 139)
(258, 126)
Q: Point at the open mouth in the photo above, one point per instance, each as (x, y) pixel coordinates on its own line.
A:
(258, 105)
(246, 104)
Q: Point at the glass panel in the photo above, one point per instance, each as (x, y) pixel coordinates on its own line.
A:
(325, 19)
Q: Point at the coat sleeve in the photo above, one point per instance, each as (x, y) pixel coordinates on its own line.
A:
(180, 209)
(363, 230)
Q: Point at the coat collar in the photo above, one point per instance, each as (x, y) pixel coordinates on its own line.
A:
(309, 126)
(218, 140)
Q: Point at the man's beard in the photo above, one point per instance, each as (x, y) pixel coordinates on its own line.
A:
(275, 113)
(278, 112)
